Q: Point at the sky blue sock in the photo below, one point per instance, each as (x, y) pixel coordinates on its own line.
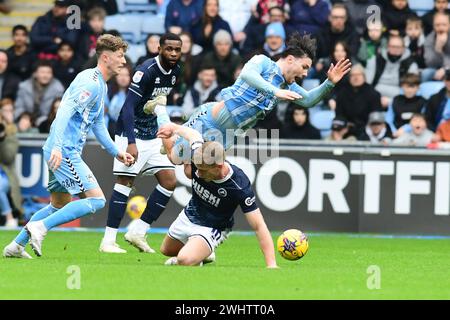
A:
(74, 210)
(22, 238)
(162, 119)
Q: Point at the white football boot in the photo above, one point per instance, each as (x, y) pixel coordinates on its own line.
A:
(14, 250)
(139, 241)
(110, 247)
(211, 258)
(150, 105)
(36, 231)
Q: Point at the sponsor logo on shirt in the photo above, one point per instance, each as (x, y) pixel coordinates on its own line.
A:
(249, 201)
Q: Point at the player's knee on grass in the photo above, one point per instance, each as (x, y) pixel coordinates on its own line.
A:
(185, 260)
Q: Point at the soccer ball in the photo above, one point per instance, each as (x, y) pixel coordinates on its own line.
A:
(292, 244)
(136, 206)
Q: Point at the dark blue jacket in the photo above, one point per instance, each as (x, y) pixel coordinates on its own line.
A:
(207, 43)
(177, 14)
(308, 19)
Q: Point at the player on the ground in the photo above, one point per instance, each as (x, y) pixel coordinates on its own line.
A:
(218, 188)
(82, 109)
(136, 133)
(261, 84)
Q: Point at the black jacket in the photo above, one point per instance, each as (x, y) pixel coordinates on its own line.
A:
(327, 39)
(435, 108)
(10, 85)
(395, 19)
(291, 130)
(403, 108)
(21, 65)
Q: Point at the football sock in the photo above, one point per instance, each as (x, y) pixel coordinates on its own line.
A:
(117, 206)
(156, 204)
(22, 238)
(162, 116)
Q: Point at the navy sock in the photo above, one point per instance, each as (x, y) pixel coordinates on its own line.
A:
(117, 205)
(156, 204)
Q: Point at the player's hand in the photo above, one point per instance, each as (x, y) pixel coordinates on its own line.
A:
(166, 130)
(126, 158)
(132, 149)
(287, 95)
(338, 71)
(55, 160)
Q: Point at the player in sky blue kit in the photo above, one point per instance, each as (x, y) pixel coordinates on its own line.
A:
(261, 84)
(218, 188)
(82, 109)
(136, 133)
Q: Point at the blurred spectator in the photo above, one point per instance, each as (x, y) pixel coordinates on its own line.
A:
(357, 11)
(223, 59)
(340, 130)
(204, 29)
(308, 16)
(25, 123)
(5, 7)
(297, 125)
(419, 136)
(67, 66)
(275, 40)
(438, 103)
(51, 29)
(437, 47)
(376, 130)
(91, 30)
(152, 48)
(415, 40)
(357, 100)
(339, 28)
(395, 15)
(36, 94)
(205, 89)
(9, 82)
(263, 7)
(406, 104)
(385, 69)
(118, 89)
(20, 55)
(439, 6)
(255, 31)
(110, 6)
(181, 14)
(44, 127)
(237, 14)
(372, 42)
(442, 132)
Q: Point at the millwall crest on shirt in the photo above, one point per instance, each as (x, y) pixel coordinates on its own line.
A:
(138, 76)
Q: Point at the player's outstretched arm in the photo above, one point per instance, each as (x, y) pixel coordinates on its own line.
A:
(256, 221)
(169, 129)
(335, 74)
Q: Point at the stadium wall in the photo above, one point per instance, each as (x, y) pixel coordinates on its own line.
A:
(313, 187)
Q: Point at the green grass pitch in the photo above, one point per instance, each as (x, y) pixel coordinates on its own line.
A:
(335, 267)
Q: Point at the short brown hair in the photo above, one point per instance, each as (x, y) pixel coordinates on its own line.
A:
(410, 79)
(108, 42)
(414, 20)
(210, 153)
(96, 12)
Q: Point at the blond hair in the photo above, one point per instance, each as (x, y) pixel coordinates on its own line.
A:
(210, 153)
(108, 42)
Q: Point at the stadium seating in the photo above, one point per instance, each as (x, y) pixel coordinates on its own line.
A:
(152, 24)
(125, 6)
(135, 51)
(128, 25)
(322, 120)
(421, 6)
(309, 84)
(427, 89)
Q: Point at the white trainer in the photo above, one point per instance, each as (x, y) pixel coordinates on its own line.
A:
(171, 261)
(211, 258)
(111, 247)
(139, 241)
(36, 231)
(14, 250)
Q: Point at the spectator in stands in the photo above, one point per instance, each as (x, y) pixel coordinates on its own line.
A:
(357, 11)
(151, 46)
(51, 29)
(395, 15)
(181, 14)
(91, 30)
(205, 89)
(255, 30)
(44, 127)
(307, 16)
(36, 94)
(297, 125)
(437, 47)
(357, 100)
(237, 16)
(415, 40)
(340, 130)
(118, 93)
(110, 6)
(376, 131)
(385, 69)
(223, 59)
(438, 103)
(263, 7)
(5, 7)
(419, 136)
(9, 82)
(442, 132)
(204, 29)
(67, 66)
(275, 40)
(372, 42)
(439, 6)
(338, 28)
(406, 104)
(25, 123)
(20, 55)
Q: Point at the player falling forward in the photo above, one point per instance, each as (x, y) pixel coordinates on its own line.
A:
(261, 84)
(136, 133)
(82, 109)
(218, 189)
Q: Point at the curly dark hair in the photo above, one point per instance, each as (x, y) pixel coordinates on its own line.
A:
(300, 46)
